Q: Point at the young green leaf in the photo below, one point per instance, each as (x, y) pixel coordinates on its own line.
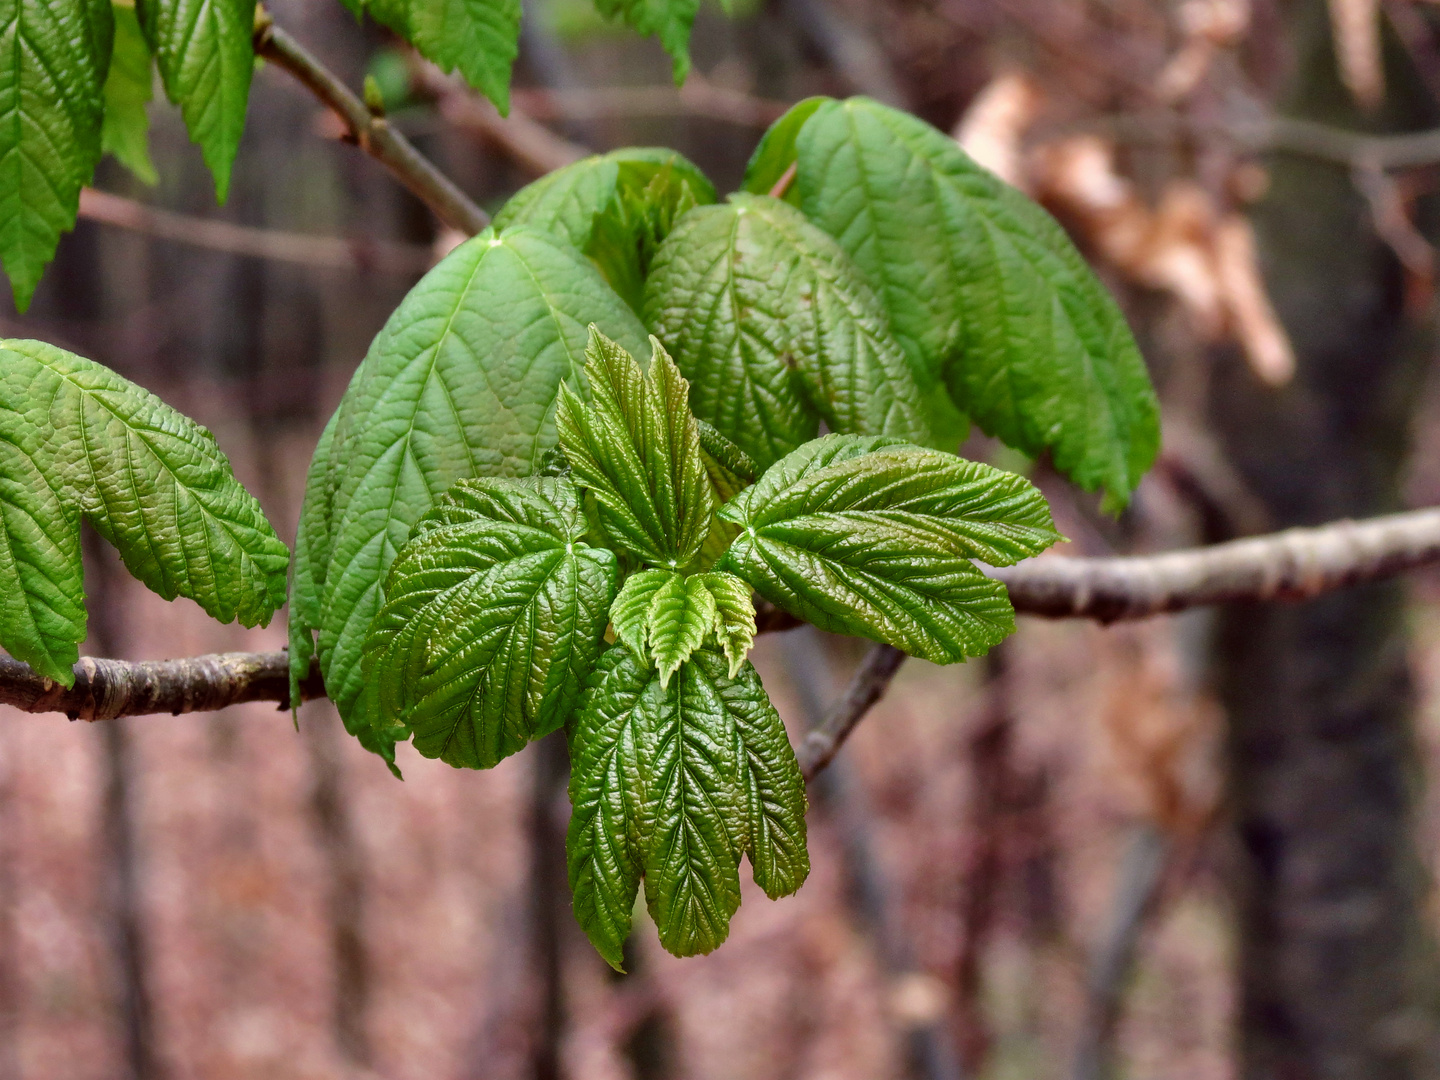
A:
(206, 56)
(664, 616)
(637, 448)
(984, 289)
(495, 611)
(731, 471)
(673, 783)
(774, 326)
(669, 20)
(875, 538)
(52, 72)
(630, 614)
(480, 37)
(682, 614)
(308, 565)
(79, 442)
(128, 88)
(461, 382)
(734, 616)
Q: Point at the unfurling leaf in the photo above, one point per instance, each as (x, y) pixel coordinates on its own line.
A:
(495, 613)
(79, 442)
(984, 290)
(873, 537)
(672, 784)
(734, 616)
(664, 616)
(637, 448)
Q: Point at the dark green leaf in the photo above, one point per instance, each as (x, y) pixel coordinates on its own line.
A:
(495, 612)
(873, 537)
(128, 88)
(78, 441)
(52, 72)
(206, 56)
(984, 289)
(480, 37)
(636, 447)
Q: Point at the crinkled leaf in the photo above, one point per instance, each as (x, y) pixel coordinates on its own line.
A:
(480, 37)
(495, 612)
(875, 538)
(307, 563)
(637, 448)
(664, 616)
(79, 442)
(774, 327)
(734, 616)
(984, 289)
(674, 783)
(461, 382)
(669, 20)
(128, 89)
(53, 60)
(682, 613)
(731, 471)
(206, 56)
(630, 614)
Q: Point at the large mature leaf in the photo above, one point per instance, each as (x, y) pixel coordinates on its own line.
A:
(875, 538)
(637, 448)
(495, 612)
(615, 207)
(984, 289)
(669, 20)
(206, 56)
(480, 37)
(128, 88)
(53, 60)
(78, 441)
(774, 326)
(461, 382)
(674, 783)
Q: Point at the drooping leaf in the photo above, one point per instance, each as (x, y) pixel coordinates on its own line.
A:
(774, 327)
(630, 614)
(206, 56)
(79, 442)
(664, 616)
(480, 37)
(128, 89)
(674, 783)
(775, 154)
(682, 614)
(637, 449)
(734, 616)
(668, 20)
(53, 60)
(495, 612)
(983, 289)
(461, 382)
(875, 538)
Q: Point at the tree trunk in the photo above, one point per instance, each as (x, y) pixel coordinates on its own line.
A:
(1338, 968)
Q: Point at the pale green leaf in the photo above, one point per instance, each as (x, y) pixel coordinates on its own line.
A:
(206, 56)
(79, 442)
(875, 538)
(128, 89)
(985, 290)
(495, 612)
(461, 382)
(682, 614)
(53, 60)
(734, 616)
(480, 37)
(630, 614)
(636, 447)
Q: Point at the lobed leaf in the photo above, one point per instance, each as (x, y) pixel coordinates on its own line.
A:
(53, 61)
(495, 613)
(873, 537)
(664, 616)
(79, 442)
(128, 89)
(984, 290)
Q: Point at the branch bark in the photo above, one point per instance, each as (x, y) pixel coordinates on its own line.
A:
(370, 132)
(1297, 564)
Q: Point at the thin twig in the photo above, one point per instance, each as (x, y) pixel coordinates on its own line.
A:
(867, 686)
(330, 252)
(371, 133)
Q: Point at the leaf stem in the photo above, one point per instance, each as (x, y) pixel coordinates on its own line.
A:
(370, 132)
(786, 179)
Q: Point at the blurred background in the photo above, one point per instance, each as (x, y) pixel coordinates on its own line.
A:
(1197, 847)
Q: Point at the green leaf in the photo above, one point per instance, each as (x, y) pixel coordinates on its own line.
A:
(630, 614)
(682, 613)
(731, 471)
(776, 152)
(480, 37)
(674, 783)
(984, 289)
(734, 616)
(637, 448)
(664, 616)
(308, 565)
(52, 72)
(206, 56)
(79, 442)
(669, 20)
(128, 88)
(461, 382)
(875, 538)
(495, 613)
(773, 325)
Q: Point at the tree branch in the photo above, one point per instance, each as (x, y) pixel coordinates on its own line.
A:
(370, 132)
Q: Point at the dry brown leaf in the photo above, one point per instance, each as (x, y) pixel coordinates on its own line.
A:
(1252, 316)
(1355, 25)
(994, 126)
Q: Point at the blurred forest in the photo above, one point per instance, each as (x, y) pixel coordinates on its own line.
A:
(1192, 848)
